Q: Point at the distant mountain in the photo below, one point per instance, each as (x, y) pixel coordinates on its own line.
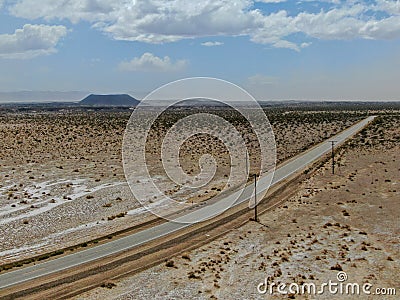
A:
(109, 100)
(199, 102)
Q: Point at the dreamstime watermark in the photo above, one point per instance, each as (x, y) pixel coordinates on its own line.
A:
(338, 287)
(151, 178)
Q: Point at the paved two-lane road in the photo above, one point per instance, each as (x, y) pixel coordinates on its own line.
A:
(139, 238)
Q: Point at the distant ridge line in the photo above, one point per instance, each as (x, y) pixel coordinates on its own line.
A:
(109, 100)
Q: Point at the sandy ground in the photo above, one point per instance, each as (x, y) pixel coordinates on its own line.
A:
(346, 222)
(62, 182)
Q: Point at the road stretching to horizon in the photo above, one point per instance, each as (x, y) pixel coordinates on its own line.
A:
(298, 163)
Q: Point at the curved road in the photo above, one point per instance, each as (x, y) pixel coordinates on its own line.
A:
(116, 246)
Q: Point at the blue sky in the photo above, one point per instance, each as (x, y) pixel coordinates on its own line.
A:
(276, 49)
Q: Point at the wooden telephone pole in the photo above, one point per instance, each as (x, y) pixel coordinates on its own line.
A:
(247, 166)
(333, 156)
(255, 197)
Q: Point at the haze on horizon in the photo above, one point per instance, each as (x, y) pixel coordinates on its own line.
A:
(275, 49)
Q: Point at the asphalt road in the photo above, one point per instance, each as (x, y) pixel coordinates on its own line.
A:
(136, 239)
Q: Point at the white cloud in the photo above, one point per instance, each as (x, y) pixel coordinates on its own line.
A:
(152, 21)
(73, 10)
(391, 7)
(151, 63)
(286, 44)
(276, 27)
(271, 1)
(212, 44)
(31, 41)
(383, 29)
(347, 23)
(159, 21)
(325, 1)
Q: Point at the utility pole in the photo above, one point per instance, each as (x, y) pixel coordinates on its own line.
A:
(247, 166)
(333, 156)
(255, 197)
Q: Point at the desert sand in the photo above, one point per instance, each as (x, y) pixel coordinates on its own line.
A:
(346, 222)
(62, 181)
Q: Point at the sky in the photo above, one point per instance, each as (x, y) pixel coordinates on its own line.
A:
(275, 49)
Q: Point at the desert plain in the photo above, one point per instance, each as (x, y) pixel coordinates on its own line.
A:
(346, 222)
(62, 184)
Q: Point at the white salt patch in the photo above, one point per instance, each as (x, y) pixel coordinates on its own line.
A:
(21, 249)
(49, 239)
(79, 191)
